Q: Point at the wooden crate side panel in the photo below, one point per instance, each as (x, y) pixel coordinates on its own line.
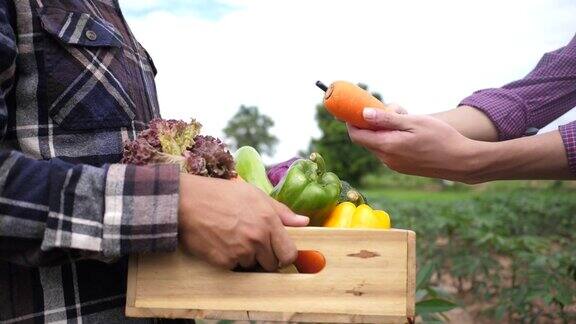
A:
(411, 275)
(367, 279)
(132, 279)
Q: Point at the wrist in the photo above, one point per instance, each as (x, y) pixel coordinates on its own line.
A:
(183, 199)
(479, 162)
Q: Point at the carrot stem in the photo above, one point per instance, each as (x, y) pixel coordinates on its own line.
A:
(321, 85)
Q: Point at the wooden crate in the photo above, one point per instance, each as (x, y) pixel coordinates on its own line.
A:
(369, 278)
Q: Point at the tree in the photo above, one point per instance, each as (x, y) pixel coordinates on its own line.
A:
(250, 127)
(349, 161)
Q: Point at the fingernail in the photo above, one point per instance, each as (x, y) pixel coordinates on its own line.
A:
(369, 113)
(303, 218)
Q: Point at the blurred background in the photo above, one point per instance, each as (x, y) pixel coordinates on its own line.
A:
(499, 252)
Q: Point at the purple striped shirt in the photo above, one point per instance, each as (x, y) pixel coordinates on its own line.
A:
(546, 93)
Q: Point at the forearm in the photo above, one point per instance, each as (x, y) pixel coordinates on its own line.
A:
(470, 122)
(537, 157)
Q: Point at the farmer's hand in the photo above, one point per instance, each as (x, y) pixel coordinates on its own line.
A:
(230, 223)
(417, 145)
(397, 108)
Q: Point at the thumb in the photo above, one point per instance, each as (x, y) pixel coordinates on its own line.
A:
(288, 218)
(382, 119)
(397, 108)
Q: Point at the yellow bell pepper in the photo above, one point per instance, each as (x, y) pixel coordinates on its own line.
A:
(347, 215)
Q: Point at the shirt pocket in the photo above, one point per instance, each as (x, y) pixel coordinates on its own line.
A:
(86, 81)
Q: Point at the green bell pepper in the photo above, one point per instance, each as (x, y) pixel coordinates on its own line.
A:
(307, 189)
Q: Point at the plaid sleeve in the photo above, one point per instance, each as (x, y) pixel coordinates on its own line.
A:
(141, 207)
(101, 213)
(8, 52)
(543, 95)
(568, 133)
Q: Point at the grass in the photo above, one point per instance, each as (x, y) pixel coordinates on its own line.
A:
(416, 195)
(434, 193)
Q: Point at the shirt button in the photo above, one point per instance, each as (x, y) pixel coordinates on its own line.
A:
(531, 131)
(91, 35)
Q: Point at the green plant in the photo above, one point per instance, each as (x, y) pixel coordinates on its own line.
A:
(511, 251)
(431, 302)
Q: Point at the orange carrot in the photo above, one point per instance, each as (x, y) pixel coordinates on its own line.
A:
(346, 101)
(310, 262)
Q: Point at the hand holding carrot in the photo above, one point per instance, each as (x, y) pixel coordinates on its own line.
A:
(417, 145)
(346, 101)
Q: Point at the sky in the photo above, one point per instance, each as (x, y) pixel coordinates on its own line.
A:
(213, 56)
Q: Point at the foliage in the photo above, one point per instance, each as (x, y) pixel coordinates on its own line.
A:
(386, 197)
(334, 144)
(431, 302)
(387, 178)
(512, 251)
(249, 127)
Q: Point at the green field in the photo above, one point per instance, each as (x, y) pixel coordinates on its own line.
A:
(383, 196)
(507, 246)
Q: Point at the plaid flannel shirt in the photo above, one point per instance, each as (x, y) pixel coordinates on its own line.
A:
(543, 95)
(74, 84)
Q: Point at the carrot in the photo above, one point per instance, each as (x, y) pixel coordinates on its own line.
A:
(310, 261)
(346, 101)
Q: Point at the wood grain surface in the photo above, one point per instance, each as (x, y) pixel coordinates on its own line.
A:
(369, 278)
